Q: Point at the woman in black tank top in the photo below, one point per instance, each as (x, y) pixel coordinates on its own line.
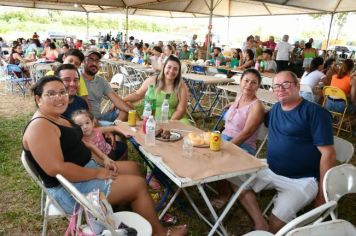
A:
(54, 145)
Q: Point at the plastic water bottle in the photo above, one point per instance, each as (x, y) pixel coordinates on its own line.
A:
(257, 66)
(262, 66)
(146, 114)
(191, 57)
(150, 138)
(150, 97)
(165, 109)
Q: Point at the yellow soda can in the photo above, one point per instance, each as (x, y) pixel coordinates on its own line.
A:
(215, 141)
(132, 118)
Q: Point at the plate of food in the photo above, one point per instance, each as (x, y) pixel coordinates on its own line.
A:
(167, 135)
(200, 140)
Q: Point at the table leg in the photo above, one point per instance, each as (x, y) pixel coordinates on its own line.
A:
(231, 203)
(196, 209)
(169, 203)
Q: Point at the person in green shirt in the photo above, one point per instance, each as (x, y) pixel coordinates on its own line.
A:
(184, 54)
(169, 81)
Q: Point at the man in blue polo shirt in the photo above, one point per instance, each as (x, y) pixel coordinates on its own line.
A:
(300, 151)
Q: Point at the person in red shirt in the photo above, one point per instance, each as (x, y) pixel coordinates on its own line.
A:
(270, 44)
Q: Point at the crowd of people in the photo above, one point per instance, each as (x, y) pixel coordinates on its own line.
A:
(86, 150)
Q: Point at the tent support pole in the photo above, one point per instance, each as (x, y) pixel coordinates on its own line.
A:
(127, 25)
(87, 13)
(331, 21)
(211, 8)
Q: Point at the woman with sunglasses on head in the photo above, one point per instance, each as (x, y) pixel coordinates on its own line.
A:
(54, 145)
(169, 81)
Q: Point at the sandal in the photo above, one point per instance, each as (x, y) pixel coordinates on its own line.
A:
(180, 230)
(169, 218)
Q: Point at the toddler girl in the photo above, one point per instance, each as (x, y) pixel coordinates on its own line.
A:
(94, 135)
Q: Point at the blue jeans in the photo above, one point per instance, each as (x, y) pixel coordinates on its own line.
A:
(109, 117)
(339, 106)
(67, 202)
(244, 146)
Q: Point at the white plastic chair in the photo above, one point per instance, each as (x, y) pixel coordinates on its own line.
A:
(142, 226)
(344, 150)
(314, 216)
(50, 208)
(266, 82)
(339, 181)
(328, 228)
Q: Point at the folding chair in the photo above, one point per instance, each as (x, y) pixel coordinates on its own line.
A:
(314, 216)
(340, 118)
(142, 226)
(266, 83)
(17, 78)
(339, 181)
(49, 206)
(328, 228)
(130, 82)
(116, 84)
(41, 70)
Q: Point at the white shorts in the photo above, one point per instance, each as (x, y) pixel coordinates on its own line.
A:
(292, 194)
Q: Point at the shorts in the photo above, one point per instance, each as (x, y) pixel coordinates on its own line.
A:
(244, 146)
(67, 202)
(292, 194)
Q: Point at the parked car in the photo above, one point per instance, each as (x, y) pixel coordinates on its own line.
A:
(339, 49)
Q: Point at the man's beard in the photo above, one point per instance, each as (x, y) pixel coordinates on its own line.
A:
(89, 72)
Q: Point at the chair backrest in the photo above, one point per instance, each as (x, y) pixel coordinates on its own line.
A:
(328, 228)
(117, 79)
(237, 78)
(334, 92)
(339, 181)
(266, 82)
(344, 150)
(30, 168)
(124, 71)
(83, 201)
(316, 215)
(262, 134)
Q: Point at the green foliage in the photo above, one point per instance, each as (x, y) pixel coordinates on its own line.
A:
(25, 20)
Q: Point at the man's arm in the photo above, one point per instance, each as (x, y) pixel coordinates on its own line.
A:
(327, 161)
(118, 102)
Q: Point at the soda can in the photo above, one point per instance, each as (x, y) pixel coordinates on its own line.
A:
(215, 141)
(132, 118)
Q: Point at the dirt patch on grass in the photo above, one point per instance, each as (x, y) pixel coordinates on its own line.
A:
(15, 105)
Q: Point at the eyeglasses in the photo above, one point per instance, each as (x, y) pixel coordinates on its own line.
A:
(284, 85)
(52, 94)
(89, 59)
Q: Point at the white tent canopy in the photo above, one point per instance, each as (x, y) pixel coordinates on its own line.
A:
(193, 8)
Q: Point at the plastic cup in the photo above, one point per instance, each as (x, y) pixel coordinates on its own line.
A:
(187, 148)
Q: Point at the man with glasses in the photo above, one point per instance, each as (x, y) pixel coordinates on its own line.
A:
(98, 87)
(300, 151)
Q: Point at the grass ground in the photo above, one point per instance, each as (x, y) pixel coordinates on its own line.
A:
(19, 205)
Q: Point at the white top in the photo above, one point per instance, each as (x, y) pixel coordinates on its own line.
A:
(271, 65)
(283, 50)
(312, 79)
